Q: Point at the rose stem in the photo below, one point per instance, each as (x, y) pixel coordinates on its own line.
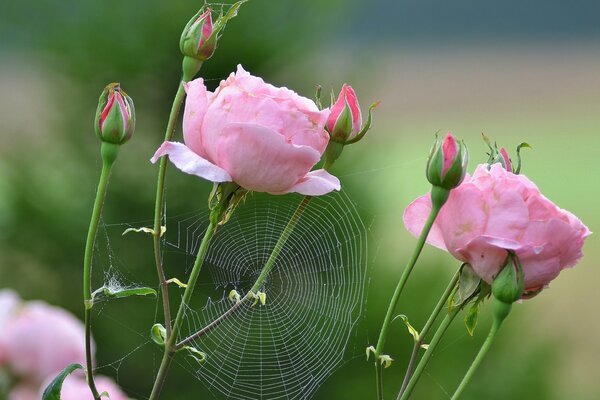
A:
(439, 197)
(497, 321)
(109, 154)
(417, 346)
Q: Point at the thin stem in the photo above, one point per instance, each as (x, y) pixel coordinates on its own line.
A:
(378, 380)
(159, 207)
(402, 282)
(425, 359)
(109, 154)
(435, 313)
(287, 231)
(170, 343)
(485, 347)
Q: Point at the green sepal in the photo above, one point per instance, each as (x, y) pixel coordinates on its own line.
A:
(343, 125)
(158, 334)
(318, 90)
(472, 317)
(519, 147)
(367, 125)
(468, 285)
(508, 286)
(52, 391)
(411, 329)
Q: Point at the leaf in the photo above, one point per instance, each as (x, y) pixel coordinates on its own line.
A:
(425, 346)
(144, 229)
(119, 293)
(177, 282)
(468, 284)
(370, 349)
(158, 333)
(52, 391)
(196, 354)
(472, 317)
(385, 360)
(411, 329)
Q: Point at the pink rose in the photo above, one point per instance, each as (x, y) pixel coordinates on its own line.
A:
(264, 138)
(494, 211)
(41, 340)
(24, 391)
(75, 387)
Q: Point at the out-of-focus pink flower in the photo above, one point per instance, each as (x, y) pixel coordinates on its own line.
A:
(10, 302)
(263, 138)
(24, 391)
(494, 211)
(41, 340)
(345, 120)
(75, 387)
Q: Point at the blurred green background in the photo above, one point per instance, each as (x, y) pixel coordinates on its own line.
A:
(517, 71)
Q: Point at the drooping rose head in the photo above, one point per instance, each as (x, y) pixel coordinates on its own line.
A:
(345, 120)
(494, 211)
(261, 137)
(41, 340)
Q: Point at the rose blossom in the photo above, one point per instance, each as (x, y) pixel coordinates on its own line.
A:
(264, 138)
(41, 340)
(494, 211)
(10, 302)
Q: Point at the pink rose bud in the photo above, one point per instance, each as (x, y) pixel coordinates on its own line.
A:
(494, 211)
(505, 160)
(447, 164)
(41, 340)
(115, 117)
(264, 138)
(345, 119)
(509, 284)
(197, 40)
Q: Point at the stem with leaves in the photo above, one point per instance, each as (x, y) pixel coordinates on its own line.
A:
(435, 313)
(109, 154)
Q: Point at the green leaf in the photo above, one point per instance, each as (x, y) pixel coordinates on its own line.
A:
(52, 391)
(158, 333)
(144, 229)
(411, 329)
(196, 354)
(472, 317)
(370, 349)
(118, 293)
(468, 284)
(177, 282)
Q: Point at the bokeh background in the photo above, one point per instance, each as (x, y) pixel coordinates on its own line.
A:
(519, 71)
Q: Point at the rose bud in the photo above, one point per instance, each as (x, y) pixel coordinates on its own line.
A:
(505, 160)
(115, 117)
(509, 284)
(447, 163)
(345, 119)
(197, 40)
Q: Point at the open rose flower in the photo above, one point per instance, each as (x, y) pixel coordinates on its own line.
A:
(494, 211)
(263, 138)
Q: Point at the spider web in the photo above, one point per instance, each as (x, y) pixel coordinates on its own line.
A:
(286, 348)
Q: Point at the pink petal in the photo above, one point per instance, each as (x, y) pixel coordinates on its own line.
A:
(416, 215)
(196, 104)
(261, 159)
(315, 183)
(191, 163)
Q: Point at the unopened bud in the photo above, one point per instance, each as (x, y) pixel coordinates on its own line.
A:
(345, 119)
(447, 164)
(198, 39)
(115, 116)
(509, 284)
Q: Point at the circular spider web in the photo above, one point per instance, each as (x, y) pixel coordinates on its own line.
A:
(287, 347)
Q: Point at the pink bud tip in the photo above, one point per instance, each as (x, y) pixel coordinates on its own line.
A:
(207, 27)
(346, 96)
(450, 151)
(506, 159)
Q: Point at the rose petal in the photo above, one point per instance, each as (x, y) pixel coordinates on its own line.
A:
(416, 215)
(315, 183)
(191, 163)
(196, 104)
(260, 159)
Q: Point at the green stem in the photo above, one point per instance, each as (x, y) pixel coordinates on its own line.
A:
(505, 309)
(287, 231)
(109, 154)
(435, 209)
(378, 380)
(170, 343)
(417, 346)
(425, 359)
(159, 207)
